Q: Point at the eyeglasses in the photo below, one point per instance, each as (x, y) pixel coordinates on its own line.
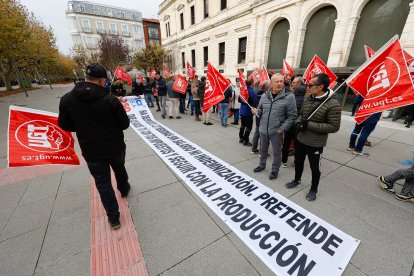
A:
(312, 85)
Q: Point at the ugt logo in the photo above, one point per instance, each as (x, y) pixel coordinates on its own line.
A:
(383, 78)
(317, 69)
(42, 136)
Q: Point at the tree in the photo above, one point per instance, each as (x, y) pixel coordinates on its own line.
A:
(112, 51)
(83, 57)
(152, 57)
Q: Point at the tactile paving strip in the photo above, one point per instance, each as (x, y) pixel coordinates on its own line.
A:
(114, 252)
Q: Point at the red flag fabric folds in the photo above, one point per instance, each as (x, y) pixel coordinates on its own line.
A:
(317, 66)
(180, 84)
(243, 87)
(384, 81)
(263, 77)
(286, 69)
(35, 138)
(216, 84)
(122, 75)
(191, 72)
(167, 74)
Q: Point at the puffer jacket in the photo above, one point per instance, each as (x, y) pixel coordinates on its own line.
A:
(326, 120)
(276, 113)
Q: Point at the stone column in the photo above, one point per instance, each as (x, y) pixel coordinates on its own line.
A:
(349, 38)
(407, 36)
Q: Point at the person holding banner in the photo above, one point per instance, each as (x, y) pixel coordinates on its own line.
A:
(277, 109)
(98, 118)
(312, 132)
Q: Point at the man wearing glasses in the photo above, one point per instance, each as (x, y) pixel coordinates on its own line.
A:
(313, 132)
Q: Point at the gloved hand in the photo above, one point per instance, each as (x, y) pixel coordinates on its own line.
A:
(302, 125)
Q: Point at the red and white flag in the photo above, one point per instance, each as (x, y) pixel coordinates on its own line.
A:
(255, 75)
(410, 63)
(317, 66)
(152, 73)
(122, 75)
(244, 93)
(216, 84)
(286, 69)
(384, 81)
(167, 74)
(263, 77)
(141, 78)
(180, 84)
(191, 72)
(35, 138)
(369, 52)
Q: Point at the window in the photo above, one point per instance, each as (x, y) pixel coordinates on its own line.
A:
(139, 44)
(137, 31)
(109, 11)
(167, 29)
(183, 59)
(73, 24)
(223, 4)
(82, 8)
(85, 25)
(205, 8)
(76, 40)
(193, 58)
(100, 27)
(90, 43)
(182, 21)
(112, 28)
(125, 30)
(205, 55)
(192, 15)
(122, 14)
(222, 49)
(153, 32)
(242, 50)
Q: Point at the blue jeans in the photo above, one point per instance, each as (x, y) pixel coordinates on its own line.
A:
(148, 99)
(224, 113)
(236, 115)
(365, 130)
(191, 104)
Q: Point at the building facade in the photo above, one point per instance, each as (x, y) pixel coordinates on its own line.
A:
(152, 32)
(245, 34)
(87, 21)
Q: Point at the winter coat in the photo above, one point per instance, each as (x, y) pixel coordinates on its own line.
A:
(245, 109)
(326, 120)
(194, 90)
(171, 93)
(276, 113)
(118, 90)
(98, 118)
(257, 100)
(161, 86)
(201, 91)
(227, 94)
(299, 93)
(235, 103)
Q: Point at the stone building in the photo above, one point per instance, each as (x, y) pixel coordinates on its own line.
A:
(244, 34)
(87, 21)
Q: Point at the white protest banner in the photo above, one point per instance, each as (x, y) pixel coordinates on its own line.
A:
(287, 238)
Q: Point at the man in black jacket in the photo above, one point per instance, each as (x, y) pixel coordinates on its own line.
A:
(98, 118)
(161, 88)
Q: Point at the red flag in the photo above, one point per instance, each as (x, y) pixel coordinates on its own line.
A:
(410, 64)
(191, 72)
(180, 84)
(286, 69)
(167, 74)
(216, 84)
(35, 138)
(244, 93)
(271, 73)
(263, 77)
(317, 66)
(256, 75)
(369, 52)
(384, 81)
(122, 75)
(141, 78)
(152, 73)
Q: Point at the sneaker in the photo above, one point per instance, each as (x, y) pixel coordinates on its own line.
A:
(158, 110)
(115, 223)
(247, 144)
(350, 149)
(234, 123)
(209, 124)
(284, 165)
(258, 169)
(292, 184)
(272, 175)
(408, 197)
(367, 143)
(170, 117)
(385, 185)
(178, 117)
(360, 153)
(125, 194)
(311, 195)
(254, 151)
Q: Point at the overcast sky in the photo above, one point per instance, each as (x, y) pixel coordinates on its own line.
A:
(52, 13)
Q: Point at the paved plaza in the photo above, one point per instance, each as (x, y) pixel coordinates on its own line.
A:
(45, 212)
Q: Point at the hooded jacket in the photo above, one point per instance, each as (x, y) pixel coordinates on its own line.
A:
(276, 113)
(97, 117)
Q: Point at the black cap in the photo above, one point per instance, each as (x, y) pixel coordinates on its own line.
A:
(96, 70)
